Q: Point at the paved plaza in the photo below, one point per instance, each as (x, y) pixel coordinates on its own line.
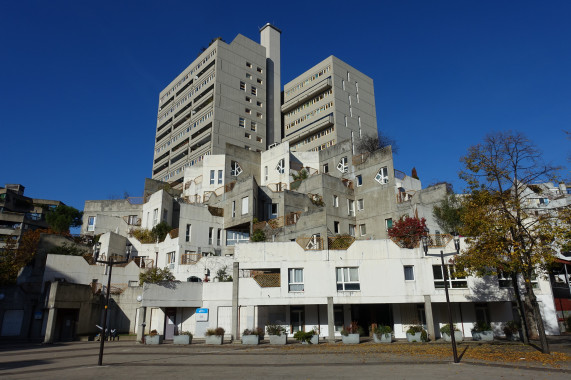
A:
(126, 359)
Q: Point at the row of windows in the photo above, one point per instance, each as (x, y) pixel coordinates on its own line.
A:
(323, 146)
(258, 69)
(187, 165)
(309, 103)
(352, 228)
(315, 136)
(189, 74)
(191, 126)
(258, 103)
(309, 115)
(308, 80)
(253, 89)
(258, 80)
(187, 96)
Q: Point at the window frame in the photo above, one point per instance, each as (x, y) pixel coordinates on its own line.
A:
(347, 283)
(293, 282)
(453, 281)
(411, 267)
(382, 175)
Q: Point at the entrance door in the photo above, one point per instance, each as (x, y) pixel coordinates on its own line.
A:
(170, 323)
(65, 325)
(297, 319)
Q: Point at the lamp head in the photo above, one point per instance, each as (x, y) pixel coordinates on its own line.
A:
(457, 242)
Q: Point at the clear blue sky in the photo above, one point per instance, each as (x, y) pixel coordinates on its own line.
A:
(79, 80)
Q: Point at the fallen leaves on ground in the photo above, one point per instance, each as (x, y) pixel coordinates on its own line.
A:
(502, 353)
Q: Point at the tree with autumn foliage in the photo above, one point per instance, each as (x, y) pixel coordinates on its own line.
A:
(503, 232)
(408, 231)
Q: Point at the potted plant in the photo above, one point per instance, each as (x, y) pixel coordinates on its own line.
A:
(153, 338)
(252, 336)
(184, 337)
(350, 334)
(482, 331)
(309, 337)
(445, 330)
(416, 333)
(277, 334)
(382, 334)
(511, 329)
(215, 336)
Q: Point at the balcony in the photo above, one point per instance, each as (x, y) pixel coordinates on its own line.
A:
(312, 126)
(304, 96)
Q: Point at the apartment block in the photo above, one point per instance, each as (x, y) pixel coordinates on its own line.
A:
(329, 103)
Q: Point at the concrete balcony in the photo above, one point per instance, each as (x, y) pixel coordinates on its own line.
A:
(304, 96)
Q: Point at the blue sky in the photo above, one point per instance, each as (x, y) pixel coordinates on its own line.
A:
(79, 80)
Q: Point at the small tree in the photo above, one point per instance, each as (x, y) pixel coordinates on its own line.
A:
(160, 231)
(156, 276)
(407, 232)
(64, 217)
(371, 144)
(222, 275)
(258, 235)
(448, 213)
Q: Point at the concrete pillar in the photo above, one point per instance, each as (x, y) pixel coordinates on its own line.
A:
(270, 39)
(235, 310)
(142, 324)
(51, 325)
(429, 318)
(330, 320)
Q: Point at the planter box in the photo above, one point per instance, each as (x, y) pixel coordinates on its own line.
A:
(155, 339)
(214, 339)
(457, 335)
(314, 340)
(514, 337)
(181, 339)
(483, 335)
(350, 339)
(278, 339)
(416, 337)
(250, 339)
(382, 338)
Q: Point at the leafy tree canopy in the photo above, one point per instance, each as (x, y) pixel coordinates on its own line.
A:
(161, 230)
(156, 276)
(407, 232)
(63, 217)
(448, 213)
(371, 144)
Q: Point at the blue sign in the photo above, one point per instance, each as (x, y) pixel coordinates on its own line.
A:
(202, 315)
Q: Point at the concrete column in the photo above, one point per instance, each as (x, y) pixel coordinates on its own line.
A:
(142, 324)
(330, 320)
(270, 39)
(235, 310)
(51, 325)
(428, 317)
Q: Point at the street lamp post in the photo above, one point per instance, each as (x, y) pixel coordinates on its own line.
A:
(445, 275)
(110, 262)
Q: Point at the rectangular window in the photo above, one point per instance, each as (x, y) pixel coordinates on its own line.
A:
(342, 165)
(363, 229)
(218, 236)
(336, 227)
(382, 176)
(265, 173)
(325, 168)
(247, 135)
(350, 207)
(212, 174)
(455, 281)
(343, 84)
(388, 223)
(220, 173)
(295, 280)
(91, 223)
(352, 229)
(360, 204)
(335, 201)
(258, 103)
(233, 237)
(245, 205)
(248, 99)
(188, 257)
(347, 279)
(504, 280)
(233, 209)
(273, 210)
(242, 122)
(155, 217)
(188, 230)
(249, 65)
(345, 121)
(248, 76)
(242, 86)
(259, 81)
(165, 213)
(359, 180)
(254, 91)
(409, 273)
(253, 126)
(259, 69)
(259, 114)
(170, 258)
(210, 234)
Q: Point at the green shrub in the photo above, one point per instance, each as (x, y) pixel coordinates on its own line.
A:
(382, 330)
(446, 329)
(511, 327)
(258, 235)
(275, 329)
(303, 336)
(414, 329)
(482, 326)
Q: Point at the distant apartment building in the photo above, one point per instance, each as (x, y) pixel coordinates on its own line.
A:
(329, 103)
(19, 213)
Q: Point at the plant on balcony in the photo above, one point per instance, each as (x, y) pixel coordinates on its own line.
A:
(406, 233)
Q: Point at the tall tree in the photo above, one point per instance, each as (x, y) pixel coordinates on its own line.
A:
(64, 217)
(504, 232)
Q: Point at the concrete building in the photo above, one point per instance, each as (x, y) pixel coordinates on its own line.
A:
(19, 213)
(330, 103)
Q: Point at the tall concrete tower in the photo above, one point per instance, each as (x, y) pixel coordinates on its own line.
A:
(270, 39)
